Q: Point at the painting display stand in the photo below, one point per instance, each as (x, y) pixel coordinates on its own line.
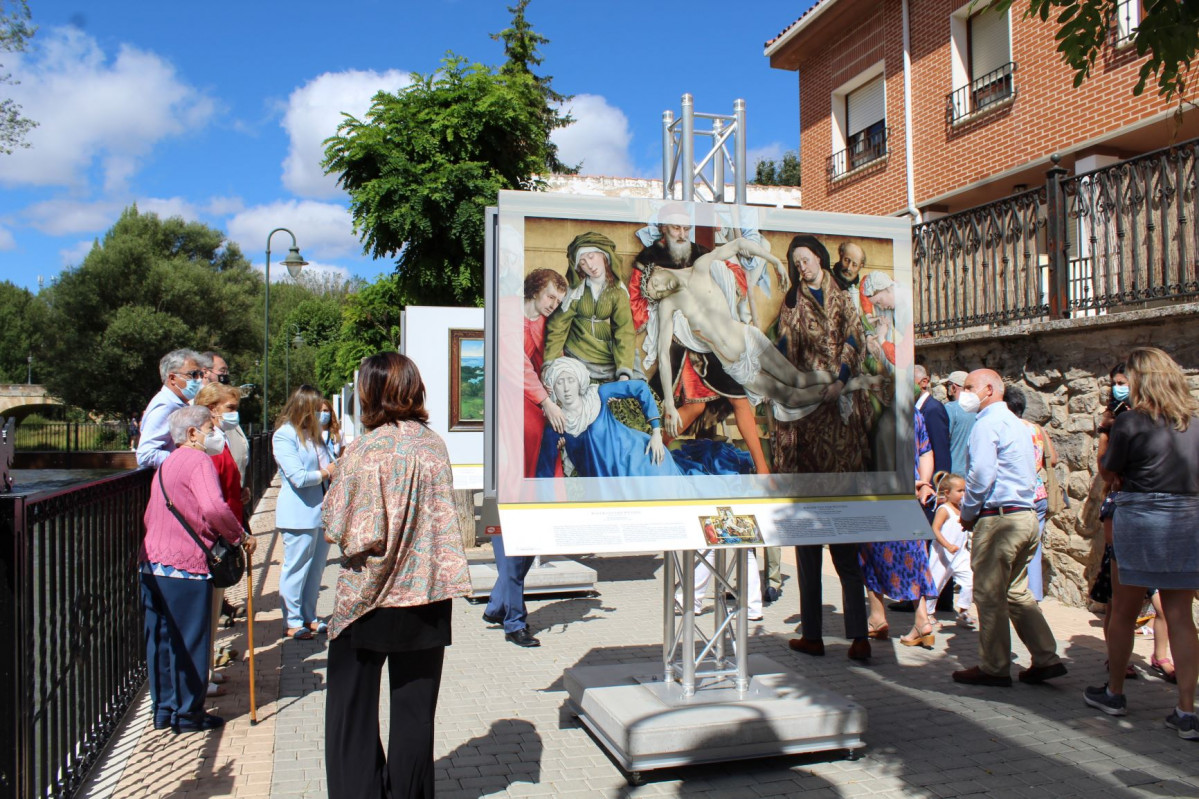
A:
(708, 700)
(548, 575)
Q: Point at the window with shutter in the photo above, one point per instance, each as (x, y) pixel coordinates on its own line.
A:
(866, 123)
(990, 46)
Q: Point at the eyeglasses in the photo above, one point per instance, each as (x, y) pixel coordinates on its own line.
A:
(195, 374)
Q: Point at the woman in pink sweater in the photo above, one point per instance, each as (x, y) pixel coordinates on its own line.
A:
(176, 585)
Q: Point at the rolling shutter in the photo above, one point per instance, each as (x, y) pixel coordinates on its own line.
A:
(990, 43)
(865, 106)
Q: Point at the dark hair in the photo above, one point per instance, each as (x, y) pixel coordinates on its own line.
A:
(1016, 402)
(1118, 369)
(538, 279)
(821, 252)
(390, 389)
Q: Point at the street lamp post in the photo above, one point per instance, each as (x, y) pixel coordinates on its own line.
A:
(294, 262)
(298, 340)
(29, 374)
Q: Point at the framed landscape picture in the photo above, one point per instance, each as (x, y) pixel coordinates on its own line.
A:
(466, 379)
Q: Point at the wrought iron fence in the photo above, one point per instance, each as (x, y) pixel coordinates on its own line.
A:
(1136, 232)
(1118, 236)
(70, 613)
(73, 437)
(866, 149)
(981, 93)
(980, 266)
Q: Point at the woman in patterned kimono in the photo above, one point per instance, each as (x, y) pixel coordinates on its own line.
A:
(391, 510)
(594, 323)
(819, 329)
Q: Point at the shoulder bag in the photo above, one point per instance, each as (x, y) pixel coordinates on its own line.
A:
(226, 562)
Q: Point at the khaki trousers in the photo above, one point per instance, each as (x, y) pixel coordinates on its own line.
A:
(1002, 548)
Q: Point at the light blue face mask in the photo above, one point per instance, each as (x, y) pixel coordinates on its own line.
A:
(1119, 392)
(230, 420)
(325, 417)
(192, 388)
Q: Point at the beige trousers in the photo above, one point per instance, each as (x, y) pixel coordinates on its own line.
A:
(1002, 548)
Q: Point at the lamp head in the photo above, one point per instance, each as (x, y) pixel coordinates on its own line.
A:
(294, 262)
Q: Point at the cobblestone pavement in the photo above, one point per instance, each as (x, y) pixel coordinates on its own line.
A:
(503, 728)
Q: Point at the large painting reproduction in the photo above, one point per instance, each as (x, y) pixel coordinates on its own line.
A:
(466, 379)
(661, 363)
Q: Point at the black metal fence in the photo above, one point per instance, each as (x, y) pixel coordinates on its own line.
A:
(1120, 236)
(71, 617)
(867, 148)
(73, 437)
(980, 94)
(262, 466)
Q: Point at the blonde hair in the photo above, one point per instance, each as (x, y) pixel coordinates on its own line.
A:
(1158, 387)
(301, 413)
(945, 482)
(215, 393)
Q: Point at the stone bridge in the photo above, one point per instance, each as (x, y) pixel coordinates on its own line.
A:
(20, 399)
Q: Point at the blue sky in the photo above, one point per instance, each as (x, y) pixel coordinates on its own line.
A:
(215, 111)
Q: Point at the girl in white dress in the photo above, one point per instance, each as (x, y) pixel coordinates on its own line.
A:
(949, 555)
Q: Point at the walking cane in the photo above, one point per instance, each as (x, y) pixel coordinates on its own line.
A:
(250, 636)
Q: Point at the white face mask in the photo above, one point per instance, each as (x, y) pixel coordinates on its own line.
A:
(214, 443)
(969, 401)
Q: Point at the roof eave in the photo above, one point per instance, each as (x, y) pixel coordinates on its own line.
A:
(775, 50)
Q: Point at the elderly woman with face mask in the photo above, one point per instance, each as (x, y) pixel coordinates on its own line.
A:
(597, 444)
(176, 585)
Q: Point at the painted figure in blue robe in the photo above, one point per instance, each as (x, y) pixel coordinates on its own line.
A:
(597, 444)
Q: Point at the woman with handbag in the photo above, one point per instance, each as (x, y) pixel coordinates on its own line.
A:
(391, 511)
(188, 527)
(298, 447)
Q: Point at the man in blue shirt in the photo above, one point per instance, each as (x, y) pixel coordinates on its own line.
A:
(181, 380)
(960, 423)
(999, 508)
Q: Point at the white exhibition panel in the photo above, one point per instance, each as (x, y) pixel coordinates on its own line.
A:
(425, 338)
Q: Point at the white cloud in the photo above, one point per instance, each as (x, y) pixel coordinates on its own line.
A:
(313, 113)
(74, 255)
(224, 206)
(599, 137)
(322, 230)
(168, 207)
(65, 217)
(771, 152)
(7, 240)
(92, 108)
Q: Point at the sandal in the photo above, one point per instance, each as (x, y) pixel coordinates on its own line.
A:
(1160, 667)
(917, 637)
(299, 634)
(318, 627)
(880, 633)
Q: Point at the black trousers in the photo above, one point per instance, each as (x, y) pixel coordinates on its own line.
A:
(355, 765)
(810, 559)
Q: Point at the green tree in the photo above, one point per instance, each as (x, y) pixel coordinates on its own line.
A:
(149, 286)
(423, 164)
(21, 320)
(370, 324)
(1168, 34)
(784, 172)
(15, 33)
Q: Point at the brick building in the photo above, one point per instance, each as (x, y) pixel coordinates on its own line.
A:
(990, 102)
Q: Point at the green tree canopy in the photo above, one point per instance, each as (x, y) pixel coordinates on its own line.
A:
(22, 317)
(424, 163)
(1168, 33)
(149, 286)
(784, 172)
(15, 33)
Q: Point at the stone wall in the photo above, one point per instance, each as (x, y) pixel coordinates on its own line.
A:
(1062, 367)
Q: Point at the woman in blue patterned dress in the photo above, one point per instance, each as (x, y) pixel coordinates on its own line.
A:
(899, 569)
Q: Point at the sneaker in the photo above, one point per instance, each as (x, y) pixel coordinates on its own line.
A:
(1186, 726)
(964, 619)
(1099, 699)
